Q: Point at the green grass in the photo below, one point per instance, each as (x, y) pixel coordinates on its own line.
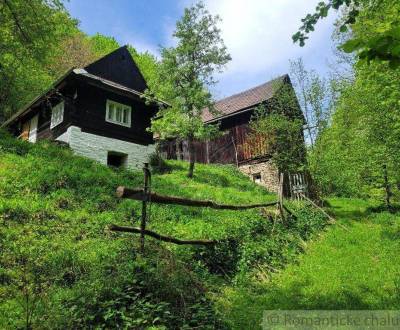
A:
(356, 267)
(62, 267)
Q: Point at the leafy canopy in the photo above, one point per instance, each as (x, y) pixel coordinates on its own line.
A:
(278, 128)
(186, 73)
(35, 37)
(383, 44)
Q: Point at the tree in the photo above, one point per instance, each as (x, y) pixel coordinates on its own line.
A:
(185, 74)
(358, 153)
(30, 33)
(278, 128)
(383, 44)
(314, 98)
(80, 53)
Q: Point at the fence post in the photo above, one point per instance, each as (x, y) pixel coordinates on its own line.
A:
(146, 173)
(280, 195)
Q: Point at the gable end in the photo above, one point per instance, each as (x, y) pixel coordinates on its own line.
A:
(120, 68)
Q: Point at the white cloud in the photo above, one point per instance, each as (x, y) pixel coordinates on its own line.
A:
(258, 36)
(258, 32)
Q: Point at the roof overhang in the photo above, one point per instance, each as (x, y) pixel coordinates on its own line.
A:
(88, 78)
(27, 108)
(232, 114)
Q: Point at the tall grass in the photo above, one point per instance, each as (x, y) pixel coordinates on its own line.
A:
(60, 266)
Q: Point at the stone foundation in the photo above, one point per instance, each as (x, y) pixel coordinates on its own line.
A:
(98, 147)
(263, 173)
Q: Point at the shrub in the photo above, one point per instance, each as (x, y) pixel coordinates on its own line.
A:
(158, 164)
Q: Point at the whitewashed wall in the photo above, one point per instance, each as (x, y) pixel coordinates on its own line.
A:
(97, 147)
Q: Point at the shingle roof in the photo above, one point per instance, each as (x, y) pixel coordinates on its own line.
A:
(243, 100)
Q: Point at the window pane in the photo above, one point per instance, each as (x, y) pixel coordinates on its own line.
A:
(111, 111)
(126, 116)
(119, 114)
(57, 114)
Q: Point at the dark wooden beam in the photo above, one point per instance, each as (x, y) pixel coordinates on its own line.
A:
(139, 195)
(160, 237)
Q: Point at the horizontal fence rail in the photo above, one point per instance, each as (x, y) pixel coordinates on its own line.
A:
(139, 195)
(159, 236)
(146, 196)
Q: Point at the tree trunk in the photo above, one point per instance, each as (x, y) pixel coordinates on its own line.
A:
(192, 156)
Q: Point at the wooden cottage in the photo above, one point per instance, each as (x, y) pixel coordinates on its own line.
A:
(234, 146)
(98, 111)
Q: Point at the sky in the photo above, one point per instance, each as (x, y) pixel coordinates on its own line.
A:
(257, 33)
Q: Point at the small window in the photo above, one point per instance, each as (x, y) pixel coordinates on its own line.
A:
(57, 114)
(116, 159)
(257, 177)
(118, 113)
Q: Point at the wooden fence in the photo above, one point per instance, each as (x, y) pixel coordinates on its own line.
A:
(146, 196)
(295, 185)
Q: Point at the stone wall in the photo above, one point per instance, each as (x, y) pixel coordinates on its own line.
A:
(97, 147)
(263, 173)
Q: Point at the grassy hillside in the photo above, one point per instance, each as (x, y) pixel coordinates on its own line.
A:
(60, 267)
(345, 268)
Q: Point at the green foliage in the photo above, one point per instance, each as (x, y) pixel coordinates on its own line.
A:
(61, 268)
(282, 137)
(364, 136)
(356, 267)
(314, 97)
(280, 130)
(30, 33)
(102, 45)
(382, 44)
(185, 75)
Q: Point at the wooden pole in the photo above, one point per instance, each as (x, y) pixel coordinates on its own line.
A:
(159, 236)
(146, 172)
(138, 194)
(236, 152)
(280, 196)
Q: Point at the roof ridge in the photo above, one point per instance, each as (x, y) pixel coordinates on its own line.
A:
(252, 88)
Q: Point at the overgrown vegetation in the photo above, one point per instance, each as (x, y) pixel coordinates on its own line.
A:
(357, 154)
(185, 75)
(35, 36)
(61, 268)
(278, 127)
(355, 267)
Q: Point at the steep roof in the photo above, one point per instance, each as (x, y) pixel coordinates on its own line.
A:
(116, 70)
(119, 67)
(244, 100)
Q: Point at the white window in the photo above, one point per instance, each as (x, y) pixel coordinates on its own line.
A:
(118, 113)
(57, 114)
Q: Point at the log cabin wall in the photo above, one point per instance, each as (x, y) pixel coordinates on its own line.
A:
(232, 147)
(90, 115)
(43, 111)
